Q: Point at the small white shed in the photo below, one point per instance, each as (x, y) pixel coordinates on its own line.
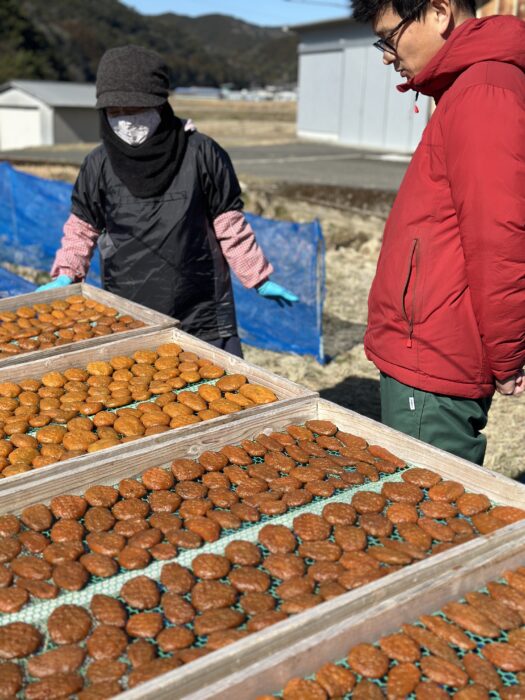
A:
(347, 95)
(46, 112)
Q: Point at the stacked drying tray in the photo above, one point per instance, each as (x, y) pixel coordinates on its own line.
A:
(232, 543)
(455, 632)
(49, 323)
(56, 412)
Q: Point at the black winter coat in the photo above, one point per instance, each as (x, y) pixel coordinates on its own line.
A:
(162, 251)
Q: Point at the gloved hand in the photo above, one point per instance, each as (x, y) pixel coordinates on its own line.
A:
(60, 281)
(272, 290)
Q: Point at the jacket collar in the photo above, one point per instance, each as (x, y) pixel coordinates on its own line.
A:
(497, 38)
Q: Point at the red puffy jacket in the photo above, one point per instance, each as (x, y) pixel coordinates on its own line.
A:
(447, 306)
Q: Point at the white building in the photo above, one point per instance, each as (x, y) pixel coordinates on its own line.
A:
(42, 113)
(348, 96)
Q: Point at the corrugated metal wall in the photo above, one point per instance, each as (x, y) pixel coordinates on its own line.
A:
(347, 94)
(374, 113)
(320, 79)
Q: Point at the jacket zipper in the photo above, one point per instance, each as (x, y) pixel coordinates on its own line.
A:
(410, 320)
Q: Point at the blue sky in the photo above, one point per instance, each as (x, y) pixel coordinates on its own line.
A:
(267, 12)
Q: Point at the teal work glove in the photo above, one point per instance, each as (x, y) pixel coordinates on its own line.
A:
(272, 290)
(60, 281)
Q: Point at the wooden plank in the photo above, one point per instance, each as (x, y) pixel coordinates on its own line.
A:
(287, 391)
(154, 320)
(262, 663)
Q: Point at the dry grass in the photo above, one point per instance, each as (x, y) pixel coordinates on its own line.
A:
(240, 123)
(232, 110)
(247, 133)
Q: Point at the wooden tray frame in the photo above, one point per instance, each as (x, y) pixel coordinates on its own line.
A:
(154, 320)
(326, 633)
(16, 488)
(263, 662)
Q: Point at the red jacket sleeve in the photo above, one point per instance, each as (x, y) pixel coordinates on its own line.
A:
(484, 136)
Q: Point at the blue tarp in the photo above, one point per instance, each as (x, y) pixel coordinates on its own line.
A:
(33, 211)
(297, 255)
(11, 284)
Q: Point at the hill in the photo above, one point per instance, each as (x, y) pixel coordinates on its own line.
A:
(64, 40)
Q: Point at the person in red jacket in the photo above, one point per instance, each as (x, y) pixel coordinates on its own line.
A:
(446, 323)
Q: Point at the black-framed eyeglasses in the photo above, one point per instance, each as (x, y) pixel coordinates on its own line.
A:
(384, 44)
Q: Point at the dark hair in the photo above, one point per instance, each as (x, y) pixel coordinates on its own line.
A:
(366, 10)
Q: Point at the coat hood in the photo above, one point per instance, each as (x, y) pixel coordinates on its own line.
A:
(496, 38)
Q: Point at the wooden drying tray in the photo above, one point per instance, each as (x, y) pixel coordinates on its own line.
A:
(326, 633)
(79, 472)
(264, 661)
(153, 320)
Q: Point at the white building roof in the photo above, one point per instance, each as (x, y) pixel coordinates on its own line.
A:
(56, 93)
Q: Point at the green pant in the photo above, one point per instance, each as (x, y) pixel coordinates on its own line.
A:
(448, 422)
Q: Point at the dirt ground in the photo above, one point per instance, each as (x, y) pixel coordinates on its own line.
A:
(352, 222)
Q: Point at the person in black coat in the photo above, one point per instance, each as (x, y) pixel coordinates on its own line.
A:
(163, 203)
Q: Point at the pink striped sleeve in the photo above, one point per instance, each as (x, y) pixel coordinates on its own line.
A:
(237, 240)
(78, 243)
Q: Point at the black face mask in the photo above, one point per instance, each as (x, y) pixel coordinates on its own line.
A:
(147, 170)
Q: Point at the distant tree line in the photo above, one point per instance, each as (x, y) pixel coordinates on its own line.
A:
(64, 40)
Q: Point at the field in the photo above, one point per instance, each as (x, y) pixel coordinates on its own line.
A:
(240, 123)
(352, 223)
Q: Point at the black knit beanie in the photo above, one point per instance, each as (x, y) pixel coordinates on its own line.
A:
(131, 76)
